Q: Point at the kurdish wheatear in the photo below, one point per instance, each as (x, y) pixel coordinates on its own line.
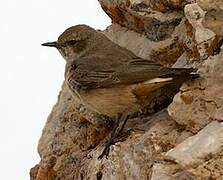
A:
(110, 79)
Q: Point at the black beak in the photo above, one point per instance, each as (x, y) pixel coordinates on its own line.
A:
(51, 44)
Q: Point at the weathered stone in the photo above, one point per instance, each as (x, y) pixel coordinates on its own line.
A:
(210, 4)
(169, 172)
(141, 18)
(195, 15)
(214, 15)
(211, 168)
(162, 5)
(198, 102)
(160, 171)
(195, 149)
(135, 160)
(219, 114)
(203, 37)
(33, 172)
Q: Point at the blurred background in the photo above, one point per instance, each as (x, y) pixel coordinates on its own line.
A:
(31, 76)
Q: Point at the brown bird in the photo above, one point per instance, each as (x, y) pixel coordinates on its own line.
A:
(110, 79)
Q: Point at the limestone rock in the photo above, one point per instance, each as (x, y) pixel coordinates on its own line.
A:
(219, 114)
(211, 168)
(204, 38)
(161, 171)
(214, 15)
(195, 149)
(198, 102)
(195, 15)
(142, 18)
(169, 172)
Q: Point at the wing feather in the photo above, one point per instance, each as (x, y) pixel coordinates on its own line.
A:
(99, 72)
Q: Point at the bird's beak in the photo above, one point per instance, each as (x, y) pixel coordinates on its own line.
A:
(51, 44)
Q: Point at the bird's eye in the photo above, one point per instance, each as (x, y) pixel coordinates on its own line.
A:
(71, 42)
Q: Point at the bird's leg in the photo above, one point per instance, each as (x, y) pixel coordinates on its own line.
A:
(105, 152)
(116, 134)
(125, 119)
(120, 135)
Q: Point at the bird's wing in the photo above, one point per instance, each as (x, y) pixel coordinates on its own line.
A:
(90, 74)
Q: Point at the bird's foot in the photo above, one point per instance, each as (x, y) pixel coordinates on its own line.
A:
(105, 151)
(122, 136)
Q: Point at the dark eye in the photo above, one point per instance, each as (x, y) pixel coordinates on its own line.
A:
(71, 42)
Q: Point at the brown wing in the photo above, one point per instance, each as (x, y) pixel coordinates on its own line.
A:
(89, 73)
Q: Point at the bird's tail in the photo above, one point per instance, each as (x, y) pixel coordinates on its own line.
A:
(185, 73)
(192, 73)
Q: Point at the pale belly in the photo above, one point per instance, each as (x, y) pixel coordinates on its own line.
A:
(111, 101)
(122, 99)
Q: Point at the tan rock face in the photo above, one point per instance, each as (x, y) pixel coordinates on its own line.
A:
(189, 152)
(214, 15)
(135, 160)
(143, 17)
(199, 103)
(182, 142)
(211, 168)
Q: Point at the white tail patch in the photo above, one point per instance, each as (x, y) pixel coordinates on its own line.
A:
(157, 80)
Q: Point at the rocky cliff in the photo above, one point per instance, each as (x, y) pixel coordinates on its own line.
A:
(183, 141)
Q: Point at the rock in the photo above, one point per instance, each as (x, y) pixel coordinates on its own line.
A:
(198, 102)
(211, 168)
(214, 15)
(195, 149)
(135, 160)
(210, 4)
(160, 171)
(140, 17)
(203, 37)
(169, 172)
(33, 172)
(219, 114)
(195, 15)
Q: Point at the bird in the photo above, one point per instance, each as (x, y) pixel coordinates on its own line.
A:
(111, 80)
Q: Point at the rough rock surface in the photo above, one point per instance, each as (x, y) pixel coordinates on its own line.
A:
(189, 152)
(214, 15)
(179, 33)
(196, 106)
(144, 16)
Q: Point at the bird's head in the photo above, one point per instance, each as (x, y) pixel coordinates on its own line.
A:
(75, 41)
